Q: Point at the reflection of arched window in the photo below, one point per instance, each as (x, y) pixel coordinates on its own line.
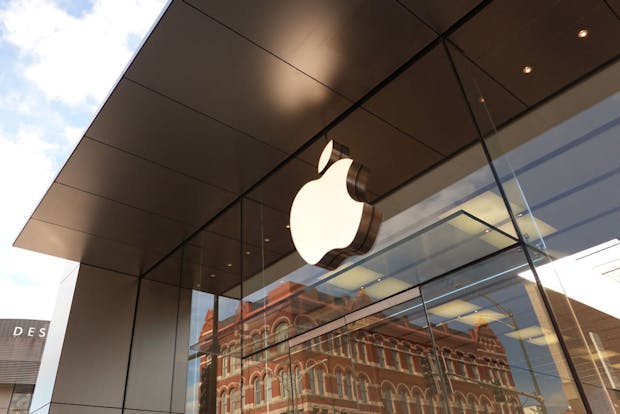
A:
(339, 384)
(268, 388)
(361, 390)
(417, 401)
(486, 407)
(472, 407)
(235, 401)
(460, 366)
(447, 358)
(265, 341)
(348, 387)
(257, 393)
(460, 406)
(363, 350)
(256, 344)
(395, 358)
(297, 382)
(225, 358)
(281, 336)
(311, 380)
(404, 406)
(284, 384)
(224, 402)
(409, 360)
(387, 400)
(234, 357)
(380, 352)
(319, 380)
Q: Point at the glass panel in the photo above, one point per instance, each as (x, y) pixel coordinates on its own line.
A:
(20, 400)
(457, 239)
(493, 335)
(558, 167)
(268, 376)
(396, 370)
(324, 374)
(432, 226)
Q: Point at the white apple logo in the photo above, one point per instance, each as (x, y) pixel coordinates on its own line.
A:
(329, 219)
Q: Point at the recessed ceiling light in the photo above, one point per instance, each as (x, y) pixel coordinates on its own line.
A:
(212, 275)
(247, 252)
(229, 265)
(482, 99)
(527, 69)
(267, 239)
(583, 33)
(288, 226)
(198, 285)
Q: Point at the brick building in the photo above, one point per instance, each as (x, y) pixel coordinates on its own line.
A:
(378, 365)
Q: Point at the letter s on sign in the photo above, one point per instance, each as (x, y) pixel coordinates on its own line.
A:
(42, 332)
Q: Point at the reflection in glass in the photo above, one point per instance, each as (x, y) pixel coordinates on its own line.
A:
(491, 330)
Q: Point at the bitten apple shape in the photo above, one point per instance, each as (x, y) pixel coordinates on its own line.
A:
(329, 220)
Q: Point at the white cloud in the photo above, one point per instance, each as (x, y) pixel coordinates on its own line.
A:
(56, 57)
(26, 171)
(28, 281)
(76, 60)
(73, 135)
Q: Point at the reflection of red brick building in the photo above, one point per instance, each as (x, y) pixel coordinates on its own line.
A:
(377, 365)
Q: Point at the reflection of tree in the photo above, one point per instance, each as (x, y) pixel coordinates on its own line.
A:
(384, 360)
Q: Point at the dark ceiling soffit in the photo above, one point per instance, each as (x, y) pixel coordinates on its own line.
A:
(104, 102)
(323, 132)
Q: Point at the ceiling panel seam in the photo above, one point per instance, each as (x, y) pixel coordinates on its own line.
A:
(611, 9)
(197, 111)
(473, 62)
(255, 44)
(400, 3)
(152, 213)
(150, 161)
(380, 118)
(108, 269)
(140, 248)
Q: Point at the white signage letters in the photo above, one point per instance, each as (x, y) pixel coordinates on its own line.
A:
(31, 331)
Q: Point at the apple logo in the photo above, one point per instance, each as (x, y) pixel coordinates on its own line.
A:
(330, 220)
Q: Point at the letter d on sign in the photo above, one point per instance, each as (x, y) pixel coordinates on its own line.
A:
(18, 331)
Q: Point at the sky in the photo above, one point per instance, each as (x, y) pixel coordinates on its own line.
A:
(59, 59)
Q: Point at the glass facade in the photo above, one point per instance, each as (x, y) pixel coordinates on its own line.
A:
(494, 319)
(491, 288)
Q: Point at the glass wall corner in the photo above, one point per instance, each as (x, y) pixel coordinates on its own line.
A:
(558, 171)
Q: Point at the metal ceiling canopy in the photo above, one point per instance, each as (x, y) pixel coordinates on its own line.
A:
(222, 94)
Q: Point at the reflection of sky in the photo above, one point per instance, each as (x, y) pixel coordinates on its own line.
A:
(504, 292)
(202, 302)
(193, 384)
